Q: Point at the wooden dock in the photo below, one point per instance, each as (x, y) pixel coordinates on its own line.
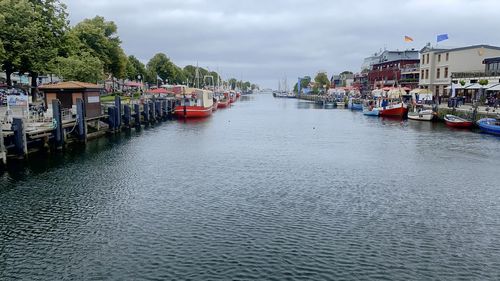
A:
(26, 136)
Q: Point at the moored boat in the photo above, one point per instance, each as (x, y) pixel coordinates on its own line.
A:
(216, 104)
(423, 115)
(457, 122)
(489, 125)
(370, 111)
(355, 104)
(224, 101)
(395, 110)
(194, 103)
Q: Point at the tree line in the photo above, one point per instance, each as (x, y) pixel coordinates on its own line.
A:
(36, 38)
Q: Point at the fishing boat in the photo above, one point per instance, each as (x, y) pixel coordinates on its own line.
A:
(395, 110)
(457, 122)
(194, 103)
(232, 97)
(489, 125)
(224, 100)
(422, 115)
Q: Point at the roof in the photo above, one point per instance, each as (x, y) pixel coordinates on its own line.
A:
(69, 85)
(468, 48)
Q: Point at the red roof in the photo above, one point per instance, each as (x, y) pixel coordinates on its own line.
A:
(133, 84)
(69, 85)
(159, 91)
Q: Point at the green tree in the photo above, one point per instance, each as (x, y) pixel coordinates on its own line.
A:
(83, 67)
(160, 66)
(99, 38)
(321, 80)
(233, 83)
(135, 68)
(32, 33)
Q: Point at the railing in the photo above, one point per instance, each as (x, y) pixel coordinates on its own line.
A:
(475, 74)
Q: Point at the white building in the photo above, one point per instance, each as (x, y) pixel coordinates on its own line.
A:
(438, 64)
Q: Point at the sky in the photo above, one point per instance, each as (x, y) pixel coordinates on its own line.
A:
(265, 41)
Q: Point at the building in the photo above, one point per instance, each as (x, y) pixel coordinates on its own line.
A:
(386, 69)
(437, 65)
(68, 92)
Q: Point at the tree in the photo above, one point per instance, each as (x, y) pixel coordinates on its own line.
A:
(232, 83)
(98, 37)
(83, 67)
(160, 66)
(32, 32)
(135, 68)
(321, 80)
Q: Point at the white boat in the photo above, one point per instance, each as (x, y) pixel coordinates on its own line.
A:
(423, 115)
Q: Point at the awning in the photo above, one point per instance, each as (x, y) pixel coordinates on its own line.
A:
(459, 86)
(476, 86)
(421, 92)
(396, 93)
(494, 88)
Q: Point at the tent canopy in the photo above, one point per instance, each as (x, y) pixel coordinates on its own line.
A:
(494, 88)
(476, 86)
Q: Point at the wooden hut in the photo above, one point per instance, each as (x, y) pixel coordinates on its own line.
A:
(68, 92)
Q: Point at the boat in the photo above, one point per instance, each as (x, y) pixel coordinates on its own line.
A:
(395, 110)
(355, 104)
(340, 104)
(194, 103)
(232, 97)
(457, 122)
(489, 125)
(224, 100)
(370, 111)
(423, 115)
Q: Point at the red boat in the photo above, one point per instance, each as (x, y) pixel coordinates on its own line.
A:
(194, 103)
(224, 101)
(395, 110)
(238, 94)
(457, 122)
(232, 97)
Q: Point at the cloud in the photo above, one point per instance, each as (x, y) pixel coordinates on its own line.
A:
(262, 41)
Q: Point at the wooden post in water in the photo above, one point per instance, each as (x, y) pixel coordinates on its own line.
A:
(126, 115)
(145, 112)
(82, 123)
(112, 118)
(137, 115)
(57, 123)
(158, 109)
(20, 142)
(152, 109)
(118, 104)
(164, 109)
(3, 151)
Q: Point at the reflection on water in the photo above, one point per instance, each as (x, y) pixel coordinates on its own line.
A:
(267, 189)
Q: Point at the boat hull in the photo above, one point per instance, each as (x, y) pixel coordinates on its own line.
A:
(489, 126)
(399, 110)
(192, 111)
(373, 112)
(223, 104)
(457, 122)
(356, 106)
(421, 116)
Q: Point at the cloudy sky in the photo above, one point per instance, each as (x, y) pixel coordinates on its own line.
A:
(265, 40)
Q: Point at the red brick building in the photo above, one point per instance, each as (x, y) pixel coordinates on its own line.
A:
(388, 74)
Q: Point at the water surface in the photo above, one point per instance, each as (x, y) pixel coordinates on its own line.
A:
(270, 189)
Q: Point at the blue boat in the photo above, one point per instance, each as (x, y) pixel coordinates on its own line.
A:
(373, 112)
(355, 104)
(489, 125)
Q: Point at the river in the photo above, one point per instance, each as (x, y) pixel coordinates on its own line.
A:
(270, 189)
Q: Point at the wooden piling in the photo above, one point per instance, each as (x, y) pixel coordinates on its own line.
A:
(127, 116)
(82, 123)
(57, 123)
(145, 112)
(20, 142)
(3, 151)
(137, 115)
(118, 104)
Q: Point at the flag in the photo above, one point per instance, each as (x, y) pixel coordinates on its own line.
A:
(408, 39)
(442, 37)
(158, 77)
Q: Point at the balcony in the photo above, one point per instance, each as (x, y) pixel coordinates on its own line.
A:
(475, 74)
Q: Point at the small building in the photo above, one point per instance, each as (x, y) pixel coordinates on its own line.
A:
(68, 92)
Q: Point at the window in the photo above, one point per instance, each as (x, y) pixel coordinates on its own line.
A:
(422, 75)
(427, 58)
(439, 58)
(427, 74)
(447, 56)
(446, 72)
(438, 73)
(423, 60)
